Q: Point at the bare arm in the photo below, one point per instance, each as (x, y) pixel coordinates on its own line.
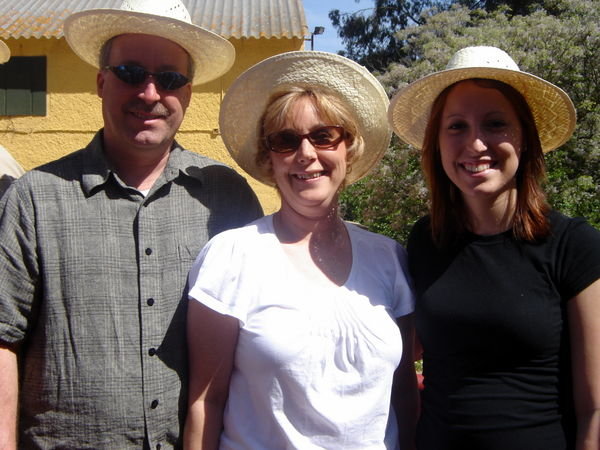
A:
(9, 394)
(212, 339)
(584, 323)
(405, 396)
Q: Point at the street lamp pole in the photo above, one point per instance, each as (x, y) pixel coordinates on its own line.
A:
(317, 30)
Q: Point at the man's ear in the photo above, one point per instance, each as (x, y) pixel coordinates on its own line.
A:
(99, 83)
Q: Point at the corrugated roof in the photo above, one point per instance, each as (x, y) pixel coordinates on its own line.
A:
(229, 18)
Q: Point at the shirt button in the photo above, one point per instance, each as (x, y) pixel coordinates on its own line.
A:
(148, 251)
(150, 302)
(154, 404)
(152, 351)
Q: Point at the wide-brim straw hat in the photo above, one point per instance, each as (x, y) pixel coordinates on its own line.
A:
(4, 52)
(245, 102)
(87, 31)
(552, 109)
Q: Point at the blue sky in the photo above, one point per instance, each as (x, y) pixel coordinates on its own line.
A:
(317, 15)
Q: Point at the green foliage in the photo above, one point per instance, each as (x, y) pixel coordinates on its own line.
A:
(562, 47)
(516, 7)
(373, 201)
(368, 34)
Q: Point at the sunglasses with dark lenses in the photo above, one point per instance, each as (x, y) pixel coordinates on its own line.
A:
(136, 75)
(322, 138)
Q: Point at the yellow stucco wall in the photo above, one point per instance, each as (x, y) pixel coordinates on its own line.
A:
(74, 114)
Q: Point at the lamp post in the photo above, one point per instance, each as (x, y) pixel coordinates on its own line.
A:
(317, 30)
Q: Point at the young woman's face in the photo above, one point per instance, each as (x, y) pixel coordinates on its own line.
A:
(480, 142)
(309, 178)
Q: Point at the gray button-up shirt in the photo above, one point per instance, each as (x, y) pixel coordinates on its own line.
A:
(93, 290)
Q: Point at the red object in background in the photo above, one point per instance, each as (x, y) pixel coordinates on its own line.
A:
(420, 381)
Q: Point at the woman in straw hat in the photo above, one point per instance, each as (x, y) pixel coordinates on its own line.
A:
(508, 291)
(299, 322)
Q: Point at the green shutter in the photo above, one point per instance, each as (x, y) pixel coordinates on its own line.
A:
(23, 86)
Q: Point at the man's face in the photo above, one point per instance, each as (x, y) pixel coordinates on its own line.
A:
(146, 116)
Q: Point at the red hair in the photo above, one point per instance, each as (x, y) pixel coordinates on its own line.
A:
(447, 209)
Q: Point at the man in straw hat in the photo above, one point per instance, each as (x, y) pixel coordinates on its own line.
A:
(96, 246)
(9, 168)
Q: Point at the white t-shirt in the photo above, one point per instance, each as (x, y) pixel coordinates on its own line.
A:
(9, 170)
(314, 365)
(8, 164)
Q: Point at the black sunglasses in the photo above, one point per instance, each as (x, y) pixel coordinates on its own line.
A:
(322, 138)
(136, 75)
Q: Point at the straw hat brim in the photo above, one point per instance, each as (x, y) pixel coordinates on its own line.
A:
(87, 31)
(4, 52)
(552, 109)
(245, 102)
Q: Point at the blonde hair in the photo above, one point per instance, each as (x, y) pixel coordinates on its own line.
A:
(329, 108)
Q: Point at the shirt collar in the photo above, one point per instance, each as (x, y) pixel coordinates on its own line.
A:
(182, 162)
(97, 171)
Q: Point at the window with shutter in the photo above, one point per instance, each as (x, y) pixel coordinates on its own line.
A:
(23, 86)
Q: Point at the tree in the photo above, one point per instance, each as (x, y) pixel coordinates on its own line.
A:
(563, 48)
(393, 198)
(516, 7)
(369, 34)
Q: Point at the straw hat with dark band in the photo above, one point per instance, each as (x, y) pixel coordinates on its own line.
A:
(4, 52)
(551, 107)
(87, 31)
(246, 100)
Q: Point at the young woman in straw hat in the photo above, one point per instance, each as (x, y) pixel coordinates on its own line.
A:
(508, 291)
(299, 323)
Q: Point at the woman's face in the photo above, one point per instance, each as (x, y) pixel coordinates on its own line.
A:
(309, 178)
(480, 142)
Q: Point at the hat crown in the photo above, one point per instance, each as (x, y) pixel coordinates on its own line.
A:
(552, 109)
(247, 98)
(173, 9)
(482, 56)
